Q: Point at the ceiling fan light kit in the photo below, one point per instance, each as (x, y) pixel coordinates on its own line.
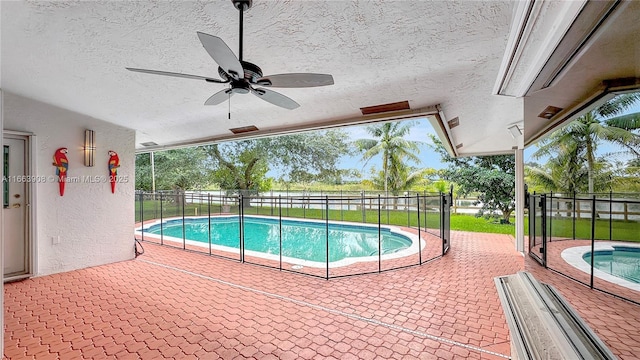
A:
(242, 76)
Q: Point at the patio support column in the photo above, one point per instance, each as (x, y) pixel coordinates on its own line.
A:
(2, 240)
(519, 154)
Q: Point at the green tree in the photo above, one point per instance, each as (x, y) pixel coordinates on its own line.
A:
(583, 135)
(242, 165)
(404, 178)
(626, 177)
(178, 169)
(395, 149)
(492, 177)
(563, 173)
(239, 166)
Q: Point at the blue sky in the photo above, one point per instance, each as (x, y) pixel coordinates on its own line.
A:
(419, 132)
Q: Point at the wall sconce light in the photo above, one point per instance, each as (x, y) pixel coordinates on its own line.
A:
(89, 147)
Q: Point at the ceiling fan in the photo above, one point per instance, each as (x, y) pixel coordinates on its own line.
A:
(243, 76)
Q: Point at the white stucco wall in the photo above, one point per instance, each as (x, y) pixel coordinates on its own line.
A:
(1, 242)
(94, 225)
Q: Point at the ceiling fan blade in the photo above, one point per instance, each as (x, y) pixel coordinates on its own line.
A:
(219, 97)
(222, 55)
(296, 80)
(275, 98)
(188, 76)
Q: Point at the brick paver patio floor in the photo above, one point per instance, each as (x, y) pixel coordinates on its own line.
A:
(169, 303)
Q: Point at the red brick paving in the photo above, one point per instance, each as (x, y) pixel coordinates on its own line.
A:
(174, 304)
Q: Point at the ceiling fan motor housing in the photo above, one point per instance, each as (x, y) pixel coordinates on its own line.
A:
(242, 5)
(251, 74)
(240, 87)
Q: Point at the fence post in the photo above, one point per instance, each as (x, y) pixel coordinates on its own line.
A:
(209, 218)
(241, 227)
(543, 227)
(327, 232)
(626, 211)
(574, 215)
(379, 238)
(419, 234)
(161, 221)
(183, 201)
(440, 198)
(593, 236)
(280, 217)
(142, 214)
(551, 218)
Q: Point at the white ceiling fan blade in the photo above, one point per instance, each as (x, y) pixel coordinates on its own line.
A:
(275, 98)
(181, 75)
(219, 97)
(222, 55)
(296, 80)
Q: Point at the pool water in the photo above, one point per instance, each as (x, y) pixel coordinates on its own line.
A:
(300, 239)
(622, 261)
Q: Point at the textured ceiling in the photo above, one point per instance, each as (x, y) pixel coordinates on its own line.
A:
(73, 55)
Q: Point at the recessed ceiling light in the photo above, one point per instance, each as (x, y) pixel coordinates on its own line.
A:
(549, 112)
(515, 131)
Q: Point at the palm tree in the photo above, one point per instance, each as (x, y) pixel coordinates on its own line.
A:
(629, 122)
(582, 136)
(561, 174)
(404, 179)
(393, 147)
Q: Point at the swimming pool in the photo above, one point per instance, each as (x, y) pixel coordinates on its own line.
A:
(613, 262)
(303, 241)
(622, 261)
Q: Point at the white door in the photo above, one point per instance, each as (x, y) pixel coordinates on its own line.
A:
(17, 257)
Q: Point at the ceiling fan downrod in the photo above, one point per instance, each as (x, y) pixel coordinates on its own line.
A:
(241, 5)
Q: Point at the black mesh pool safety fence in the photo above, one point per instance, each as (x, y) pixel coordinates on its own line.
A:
(326, 235)
(590, 238)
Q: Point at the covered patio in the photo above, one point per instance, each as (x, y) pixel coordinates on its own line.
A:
(491, 76)
(169, 303)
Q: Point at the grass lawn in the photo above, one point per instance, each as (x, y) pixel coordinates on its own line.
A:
(620, 230)
(464, 222)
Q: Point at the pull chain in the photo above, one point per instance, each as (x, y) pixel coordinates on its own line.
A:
(229, 105)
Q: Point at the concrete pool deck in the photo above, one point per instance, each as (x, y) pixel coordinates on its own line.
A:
(169, 303)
